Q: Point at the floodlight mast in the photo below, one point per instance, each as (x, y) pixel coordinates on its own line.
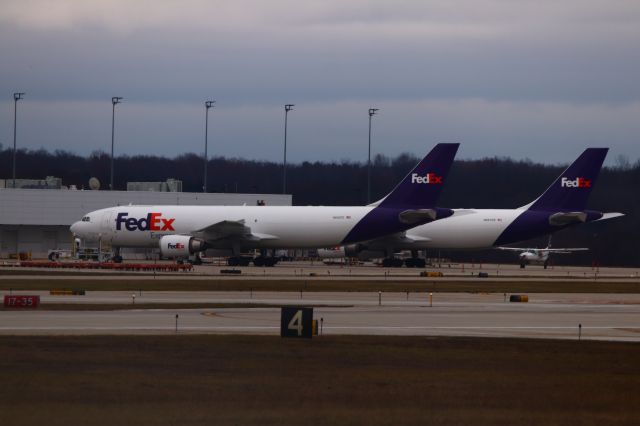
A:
(372, 112)
(287, 108)
(114, 101)
(16, 97)
(207, 105)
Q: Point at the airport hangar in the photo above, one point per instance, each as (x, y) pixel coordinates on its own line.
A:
(37, 220)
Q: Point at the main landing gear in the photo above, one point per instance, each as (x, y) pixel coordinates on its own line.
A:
(265, 261)
(117, 258)
(392, 262)
(238, 261)
(260, 261)
(411, 262)
(415, 262)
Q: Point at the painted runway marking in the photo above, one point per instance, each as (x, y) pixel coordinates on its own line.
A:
(5, 328)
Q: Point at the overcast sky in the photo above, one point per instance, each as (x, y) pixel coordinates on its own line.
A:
(526, 79)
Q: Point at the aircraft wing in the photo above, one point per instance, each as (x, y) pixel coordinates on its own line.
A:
(231, 229)
(395, 239)
(551, 250)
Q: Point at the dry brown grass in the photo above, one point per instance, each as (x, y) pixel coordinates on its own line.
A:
(47, 306)
(192, 380)
(319, 284)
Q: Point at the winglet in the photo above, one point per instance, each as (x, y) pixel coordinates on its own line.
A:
(570, 191)
(422, 186)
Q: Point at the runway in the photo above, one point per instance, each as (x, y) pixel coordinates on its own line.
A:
(602, 316)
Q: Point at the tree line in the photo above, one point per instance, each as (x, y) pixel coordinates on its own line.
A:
(483, 183)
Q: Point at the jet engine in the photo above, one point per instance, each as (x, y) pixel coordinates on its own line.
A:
(362, 251)
(180, 245)
(353, 250)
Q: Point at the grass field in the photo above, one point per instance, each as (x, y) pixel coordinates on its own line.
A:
(194, 380)
(319, 284)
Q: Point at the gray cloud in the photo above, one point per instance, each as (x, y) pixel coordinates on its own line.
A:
(537, 79)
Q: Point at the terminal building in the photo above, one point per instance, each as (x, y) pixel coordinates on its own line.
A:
(34, 221)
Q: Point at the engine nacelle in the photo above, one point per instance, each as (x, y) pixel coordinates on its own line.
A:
(351, 250)
(180, 245)
(331, 253)
(363, 252)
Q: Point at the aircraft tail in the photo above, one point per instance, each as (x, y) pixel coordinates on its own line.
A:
(423, 185)
(571, 190)
(412, 202)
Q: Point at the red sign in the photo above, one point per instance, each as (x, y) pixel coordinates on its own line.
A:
(21, 301)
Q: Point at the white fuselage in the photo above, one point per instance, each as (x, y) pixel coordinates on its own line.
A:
(277, 226)
(534, 256)
(466, 229)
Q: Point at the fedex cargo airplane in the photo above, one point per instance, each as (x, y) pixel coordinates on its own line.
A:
(183, 231)
(562, 205)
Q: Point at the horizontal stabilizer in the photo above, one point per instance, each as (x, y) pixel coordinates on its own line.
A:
(417, 216)
(562, 219)
(463, 212)
(606, 216)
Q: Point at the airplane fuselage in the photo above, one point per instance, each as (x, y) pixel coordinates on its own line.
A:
(276, 226)
(477, 229)
(534, 257)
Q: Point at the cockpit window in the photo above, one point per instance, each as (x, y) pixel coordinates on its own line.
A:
(86, 219)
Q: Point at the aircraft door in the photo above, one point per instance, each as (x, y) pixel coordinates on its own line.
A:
(106, 226)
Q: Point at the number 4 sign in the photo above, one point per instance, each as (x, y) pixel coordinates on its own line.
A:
(296, 322)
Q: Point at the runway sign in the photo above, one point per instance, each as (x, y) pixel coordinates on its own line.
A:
(21, 301)
(296, 322)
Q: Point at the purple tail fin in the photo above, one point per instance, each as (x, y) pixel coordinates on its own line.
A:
(422, 186)
(571, 189)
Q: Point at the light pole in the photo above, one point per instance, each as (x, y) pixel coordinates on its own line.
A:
(115, 100)
(372, 112)
(287, 108)
(16, 97)
(207, 105)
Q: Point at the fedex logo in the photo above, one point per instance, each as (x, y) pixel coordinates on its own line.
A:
(175, 246)
(429, 178)
(152, 222)
(579, 182)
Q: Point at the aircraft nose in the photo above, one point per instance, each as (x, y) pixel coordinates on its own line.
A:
(75, 227)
